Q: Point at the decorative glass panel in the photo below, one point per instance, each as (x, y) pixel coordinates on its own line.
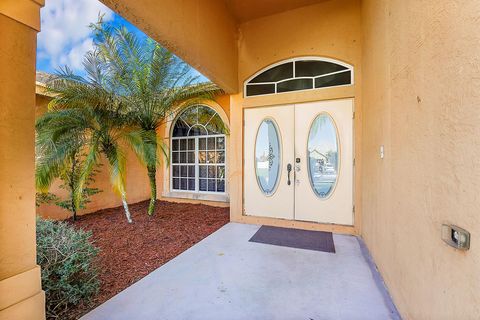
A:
(202, 144)
(191, 171)
(183, 184)
(202, 157)
(190, 116)
(203, 171)
(197, 130)
(277, 73)
(299, 74)
(183, 171)
(313, 68)
(175, 157)
(175, 171)
(191, 144)
(203, 185)
(211, 185)
(176, 183)
(211, 157)
(198, 120)
(211, 143)
(323, 157)
(220, 143)
(221, 172)
(220, 185)
(295, 85)
(183, 144)
(211, 171)
(267, 156)
(175, 145)
(191, 184)
(259, 89)
(220, 156)
(215, 125)
(191, 157)
(336, 79)
(180, 129)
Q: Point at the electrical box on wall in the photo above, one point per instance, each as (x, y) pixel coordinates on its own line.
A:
(456, 237)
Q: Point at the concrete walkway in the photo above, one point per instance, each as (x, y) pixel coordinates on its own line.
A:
(226, 277)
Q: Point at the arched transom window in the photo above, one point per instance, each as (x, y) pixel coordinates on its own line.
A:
(198, 151)
(299, 74)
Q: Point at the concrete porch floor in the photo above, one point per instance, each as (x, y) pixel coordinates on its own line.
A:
(226, 277)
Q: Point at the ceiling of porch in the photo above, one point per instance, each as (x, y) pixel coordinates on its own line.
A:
(203, 33)
(245, 10)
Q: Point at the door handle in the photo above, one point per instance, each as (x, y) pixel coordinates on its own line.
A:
(289, 169)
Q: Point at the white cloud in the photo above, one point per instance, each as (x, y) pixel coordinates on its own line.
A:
(65, 35)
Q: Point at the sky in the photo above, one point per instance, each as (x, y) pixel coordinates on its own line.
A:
(65, 36)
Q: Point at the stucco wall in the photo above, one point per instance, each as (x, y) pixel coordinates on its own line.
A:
(421, 91)
(330, 29)
(17, 58)
(21, 296)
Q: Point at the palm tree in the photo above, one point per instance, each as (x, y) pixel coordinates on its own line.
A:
(84, 114)
(154, 84)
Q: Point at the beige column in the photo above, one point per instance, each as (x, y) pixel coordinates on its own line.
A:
(21, 296)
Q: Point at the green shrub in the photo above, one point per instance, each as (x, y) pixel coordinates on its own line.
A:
(68, 274)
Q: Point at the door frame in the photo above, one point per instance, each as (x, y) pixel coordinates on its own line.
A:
(307, 225)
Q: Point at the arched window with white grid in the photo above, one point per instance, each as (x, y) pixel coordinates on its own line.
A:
(198, 151)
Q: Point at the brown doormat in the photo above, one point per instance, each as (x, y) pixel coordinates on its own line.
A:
(295, 238)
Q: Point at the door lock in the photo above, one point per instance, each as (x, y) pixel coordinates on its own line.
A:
(297, 164)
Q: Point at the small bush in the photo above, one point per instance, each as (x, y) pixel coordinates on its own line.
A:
(68, 274)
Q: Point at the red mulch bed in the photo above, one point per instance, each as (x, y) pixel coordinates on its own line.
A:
(128, 252)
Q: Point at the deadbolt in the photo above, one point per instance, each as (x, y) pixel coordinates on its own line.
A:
(297, 160)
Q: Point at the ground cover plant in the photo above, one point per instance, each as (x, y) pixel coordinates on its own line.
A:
(66, 256)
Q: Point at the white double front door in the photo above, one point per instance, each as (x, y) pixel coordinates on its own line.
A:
(299, 162)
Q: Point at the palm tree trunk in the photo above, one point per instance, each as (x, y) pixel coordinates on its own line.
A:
(152, 170)
(72, 186)
(125, 207)
(74, 209)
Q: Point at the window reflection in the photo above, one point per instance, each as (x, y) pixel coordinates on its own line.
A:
(323, 160)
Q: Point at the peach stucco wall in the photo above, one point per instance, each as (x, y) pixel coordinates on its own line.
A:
(421, 93)
(21, 296)
(329, 29)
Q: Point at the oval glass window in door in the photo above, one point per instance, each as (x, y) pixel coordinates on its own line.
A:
(323, 155)
(267, 156)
